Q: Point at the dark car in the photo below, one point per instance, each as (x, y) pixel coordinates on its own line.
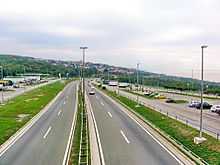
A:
(205, 105)
(169, 100)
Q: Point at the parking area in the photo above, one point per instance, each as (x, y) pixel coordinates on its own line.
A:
(11, 92)
(182, 112)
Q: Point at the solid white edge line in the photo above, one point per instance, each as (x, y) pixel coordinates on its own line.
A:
(58, 114)
(102, 103)
(98, 137)
(13, 139)
(109, 113)
(175, 157)
(66, 154)
(48, 131)
(126, 139)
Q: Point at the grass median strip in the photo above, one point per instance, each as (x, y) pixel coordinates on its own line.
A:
(80, 150)
(209, 150)
(21, 109)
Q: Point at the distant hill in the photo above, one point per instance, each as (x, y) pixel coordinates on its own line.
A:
(14, 65)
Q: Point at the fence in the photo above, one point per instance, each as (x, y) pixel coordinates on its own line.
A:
(210, 130)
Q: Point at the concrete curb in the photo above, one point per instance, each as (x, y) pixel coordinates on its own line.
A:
(72, 132)
(173, 147)
(97, 157)
(7, 144)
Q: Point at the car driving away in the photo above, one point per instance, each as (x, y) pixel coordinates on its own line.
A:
(92, 92)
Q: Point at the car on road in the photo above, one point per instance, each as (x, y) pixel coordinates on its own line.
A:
(193, 104)
(147, 93)
(215, 108)
(159, 96)
(205, 105)
(169, 100)
(92, 92)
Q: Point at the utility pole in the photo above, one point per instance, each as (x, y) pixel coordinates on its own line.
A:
(83, 75)
(137, 84)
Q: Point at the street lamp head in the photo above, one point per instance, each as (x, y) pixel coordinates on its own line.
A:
(84, 47)
(204, 46)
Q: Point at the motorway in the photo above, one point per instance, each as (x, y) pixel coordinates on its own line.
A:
(211, 121)
(123, 141)
(46, 141)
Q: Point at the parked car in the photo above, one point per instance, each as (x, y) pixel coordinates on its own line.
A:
(169, 100)
(205, 105)
(215, 108)
(193, 104)
(159, 96)
(147, 93)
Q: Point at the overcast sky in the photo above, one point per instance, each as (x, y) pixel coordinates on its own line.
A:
(163, 35)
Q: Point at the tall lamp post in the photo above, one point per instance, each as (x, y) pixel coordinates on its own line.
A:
(137, 84)
(202, 89)
(2, 83)
(83, 74)
(201, 139)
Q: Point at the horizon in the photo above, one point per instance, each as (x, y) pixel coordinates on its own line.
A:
(166, 37)
(80, 60)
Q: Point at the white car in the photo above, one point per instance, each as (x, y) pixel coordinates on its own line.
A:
(193, 104)
(92, 92)
(215, 108)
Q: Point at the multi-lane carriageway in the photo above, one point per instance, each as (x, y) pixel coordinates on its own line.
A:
(123, 141)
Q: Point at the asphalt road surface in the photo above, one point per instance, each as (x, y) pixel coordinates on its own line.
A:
(123, 141)
(45, 142)
(211, 121)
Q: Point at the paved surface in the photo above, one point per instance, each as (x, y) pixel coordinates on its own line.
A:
(211, 121)
(123, 141)
(7, 95)
(45, 142)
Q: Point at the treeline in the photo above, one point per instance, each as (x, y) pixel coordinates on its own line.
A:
(168, 82)
(15, 65)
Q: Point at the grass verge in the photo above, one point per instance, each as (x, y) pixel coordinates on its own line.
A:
(209, 150)
(18, 111)
(74, 156)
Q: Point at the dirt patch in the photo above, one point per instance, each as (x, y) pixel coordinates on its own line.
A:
(22, 117)
(27, 100)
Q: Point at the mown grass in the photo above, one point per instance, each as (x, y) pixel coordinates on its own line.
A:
(75, 149)
(209, 150)
(18, 111)
(74, 156)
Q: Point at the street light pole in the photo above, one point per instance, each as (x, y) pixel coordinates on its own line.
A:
(137, 84)
(2, 84)
(202, 89)
(83, 75)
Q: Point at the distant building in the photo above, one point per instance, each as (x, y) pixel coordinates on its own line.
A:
(25, 77)
(123, 85)
(113, 83)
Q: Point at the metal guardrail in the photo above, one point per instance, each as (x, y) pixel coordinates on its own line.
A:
(210, 130)
(180, 145)
(84, 141)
